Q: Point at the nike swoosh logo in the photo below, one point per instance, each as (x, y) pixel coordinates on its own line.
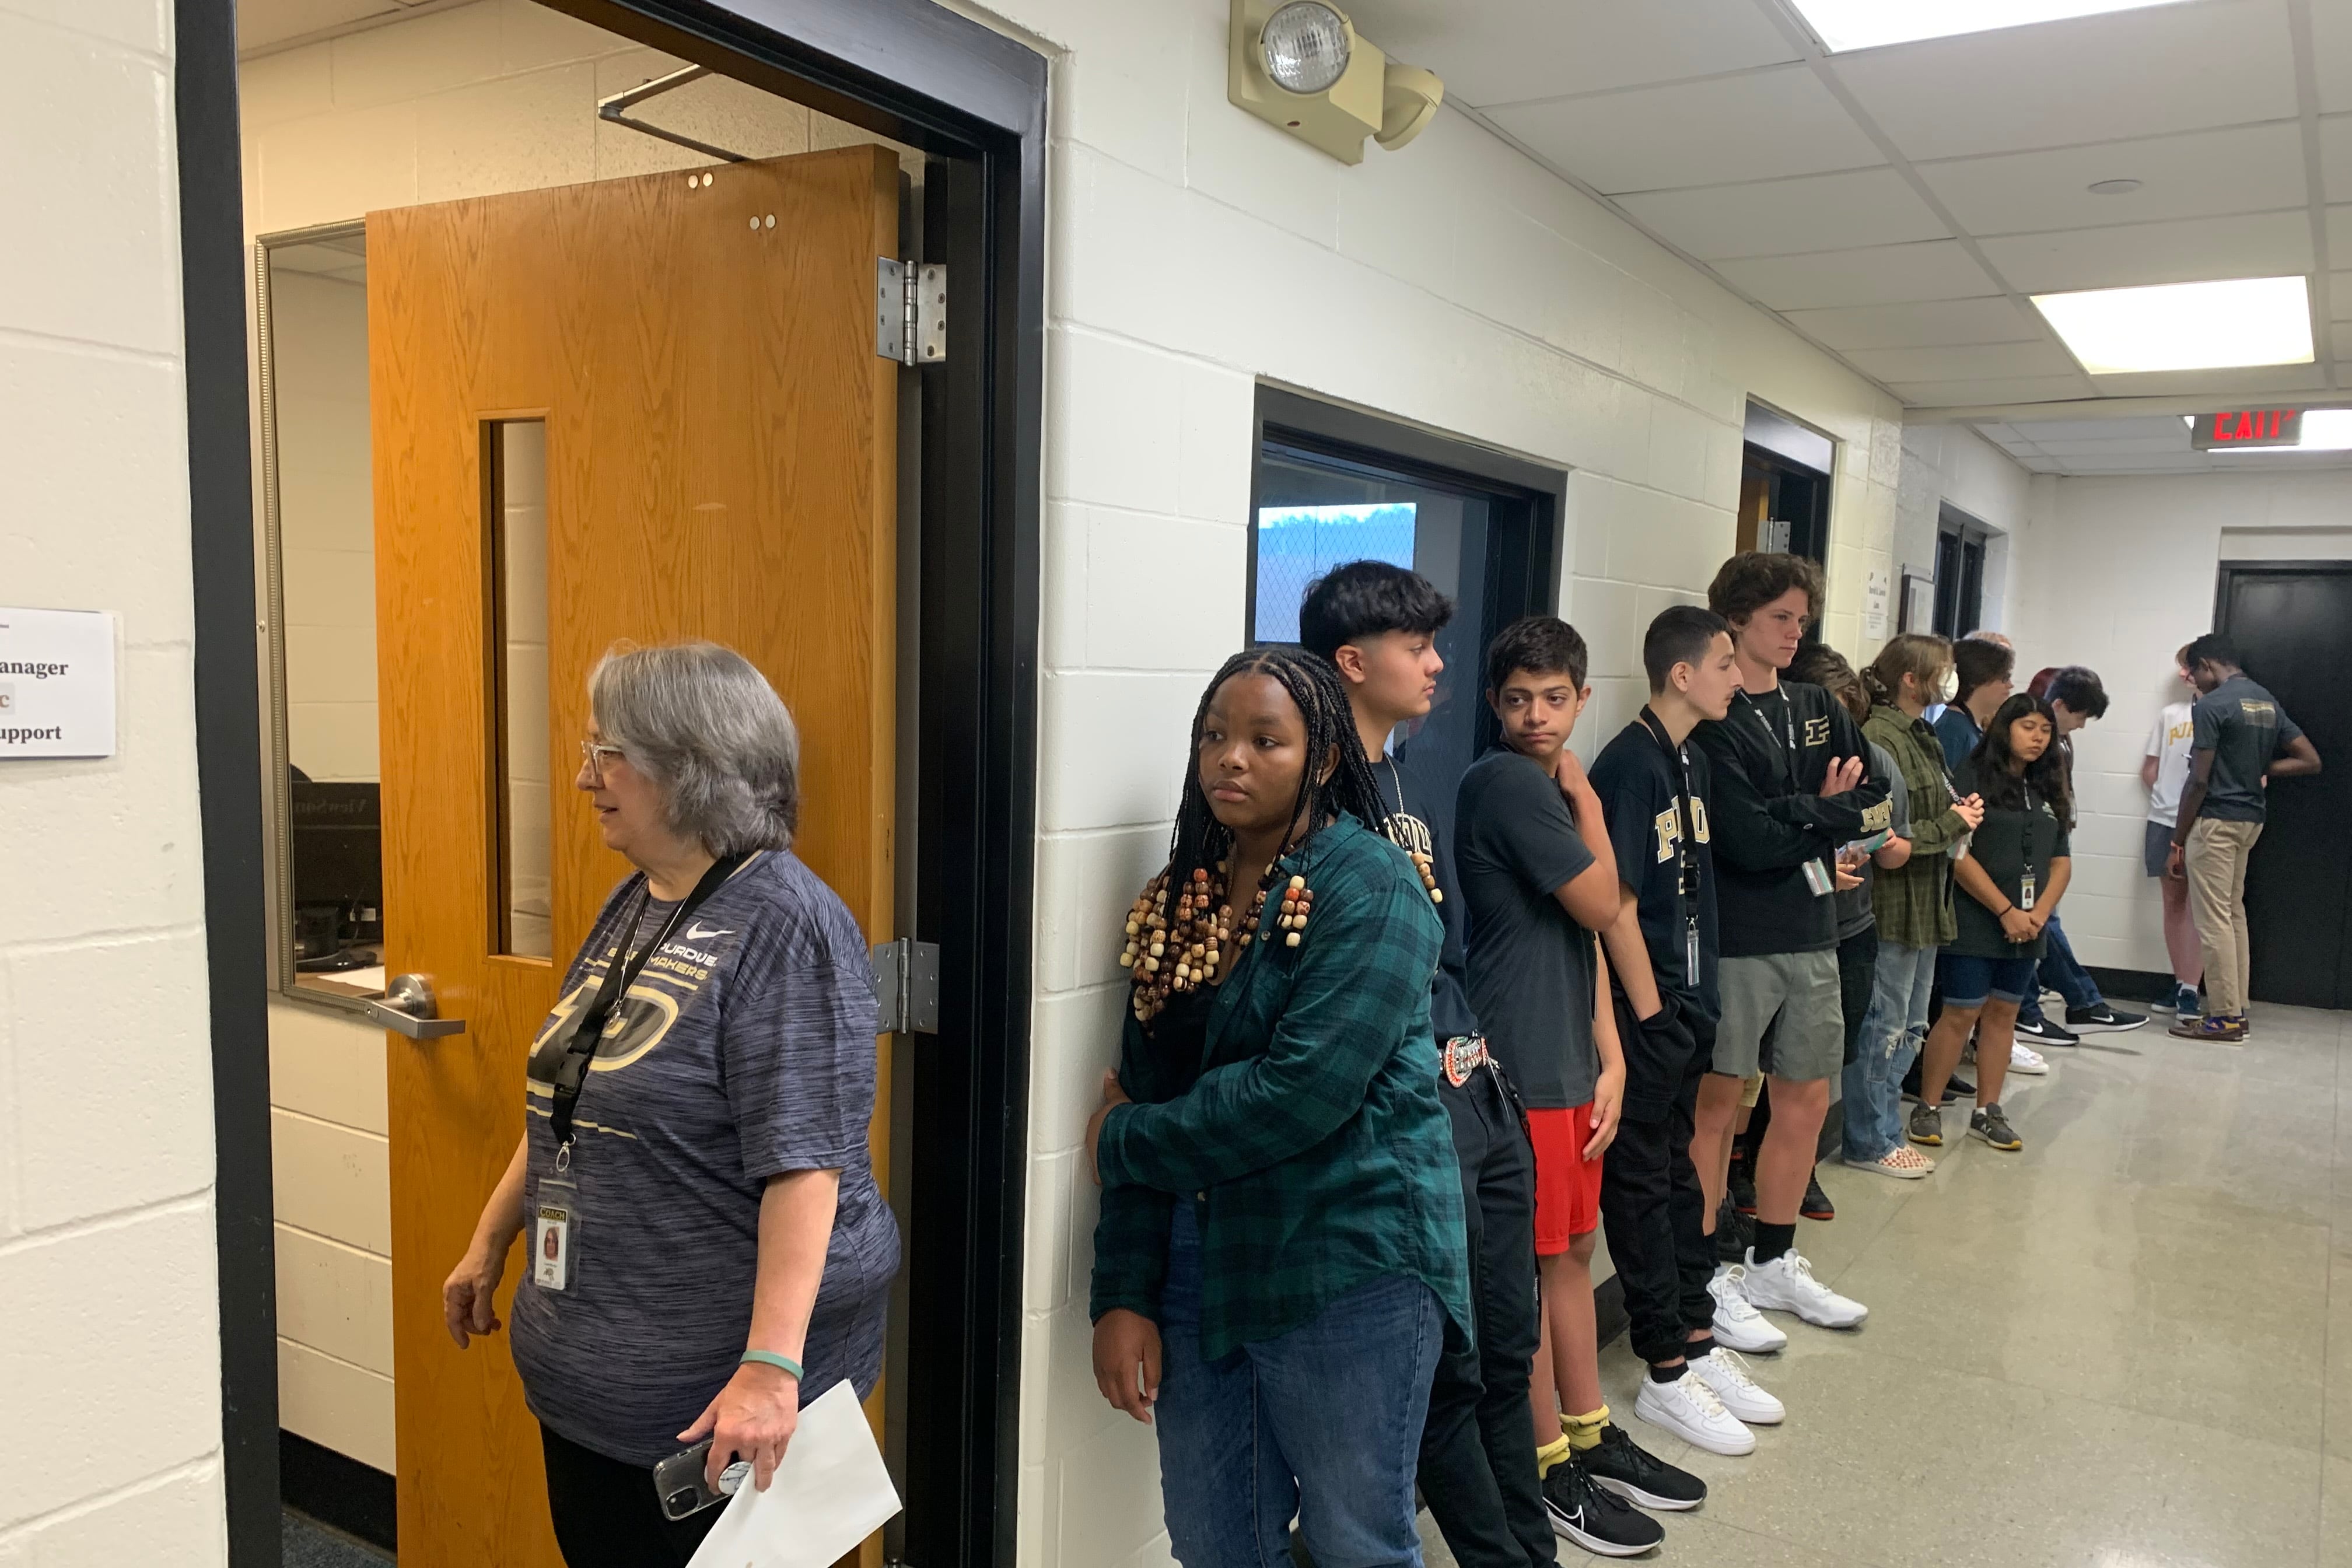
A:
(695, 933)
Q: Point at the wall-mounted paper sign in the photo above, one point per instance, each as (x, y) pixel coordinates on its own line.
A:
(1877, 593)
(57, 683)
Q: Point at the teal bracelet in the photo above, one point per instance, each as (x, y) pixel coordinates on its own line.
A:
(769, 1358)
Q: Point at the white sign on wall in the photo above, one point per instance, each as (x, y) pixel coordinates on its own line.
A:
(57, 683)
(1877, 591)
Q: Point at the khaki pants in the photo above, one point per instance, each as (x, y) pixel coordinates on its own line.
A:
(2216, 859)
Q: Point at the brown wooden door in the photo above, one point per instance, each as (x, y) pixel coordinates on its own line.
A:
(719, 463)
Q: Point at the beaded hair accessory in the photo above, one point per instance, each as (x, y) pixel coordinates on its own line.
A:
(1169, 951)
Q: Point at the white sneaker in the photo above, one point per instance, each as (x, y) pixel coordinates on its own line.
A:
(1737, 1323)
(1787, 1285)
(2025, 1058)
(1688, 1409)
(1724, 1371)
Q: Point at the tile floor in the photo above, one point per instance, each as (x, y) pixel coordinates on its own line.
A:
(2121, 1347)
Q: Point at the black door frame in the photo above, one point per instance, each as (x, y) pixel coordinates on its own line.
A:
(975, 102)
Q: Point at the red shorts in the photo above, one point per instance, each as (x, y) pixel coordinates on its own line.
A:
(1567, 1185)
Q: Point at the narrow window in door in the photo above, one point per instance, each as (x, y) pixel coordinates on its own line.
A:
(514, 453)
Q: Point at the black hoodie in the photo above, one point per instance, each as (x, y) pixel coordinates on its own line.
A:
(1768, 820)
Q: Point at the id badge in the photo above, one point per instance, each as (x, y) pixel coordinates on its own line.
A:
(2025, 893)
(554, 1234)
(1818, 878)
(1690, 953)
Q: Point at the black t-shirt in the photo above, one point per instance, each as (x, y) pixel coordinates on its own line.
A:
(1638, 784)
(2009, 841)
(2244, 727)
(1531, 966)
(1418, 828)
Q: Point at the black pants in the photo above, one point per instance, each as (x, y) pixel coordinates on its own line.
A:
(1653, 1210)
(1857, 978)
(606, 1515)
(1477, 1451)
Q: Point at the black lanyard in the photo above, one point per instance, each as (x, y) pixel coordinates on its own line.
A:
(1787, 729)
(621, 971)
(1686, 815)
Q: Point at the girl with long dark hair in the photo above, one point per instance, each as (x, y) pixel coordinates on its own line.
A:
(1281, 1254)
(2014, 871)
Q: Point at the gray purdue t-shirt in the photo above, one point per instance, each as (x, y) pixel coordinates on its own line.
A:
(2243, 726)
(745, 1050)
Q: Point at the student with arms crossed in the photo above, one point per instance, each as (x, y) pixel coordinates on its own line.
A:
(1378, 625)
(1652, 787)
(1539, 877)
(1790, 791)
(2244, 739)
(2164, 771)
(2013, 874)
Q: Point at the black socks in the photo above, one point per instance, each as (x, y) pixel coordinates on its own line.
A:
(1771, 1240)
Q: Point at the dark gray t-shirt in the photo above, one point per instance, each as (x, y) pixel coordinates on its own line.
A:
(2243, 726)
(1531, 966)
(744, 1050)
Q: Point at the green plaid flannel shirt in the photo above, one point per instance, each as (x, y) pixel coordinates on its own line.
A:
(1914, 901)
(1313, 1139)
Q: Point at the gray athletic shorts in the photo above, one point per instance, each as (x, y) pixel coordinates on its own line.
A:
(1801, 990)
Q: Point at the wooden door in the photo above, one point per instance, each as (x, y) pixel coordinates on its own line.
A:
(719, 438)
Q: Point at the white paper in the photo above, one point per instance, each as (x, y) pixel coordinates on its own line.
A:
(831, 1491)
(1877, 589)
(57, 683)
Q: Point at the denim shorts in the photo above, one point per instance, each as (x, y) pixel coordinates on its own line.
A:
(1967, 981)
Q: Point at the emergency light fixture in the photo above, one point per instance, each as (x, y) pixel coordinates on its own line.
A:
(1302, 67)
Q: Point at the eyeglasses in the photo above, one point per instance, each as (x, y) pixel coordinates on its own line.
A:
(592, 755)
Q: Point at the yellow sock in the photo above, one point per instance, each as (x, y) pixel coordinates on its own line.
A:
(1583, 1432)
(1550, 1455)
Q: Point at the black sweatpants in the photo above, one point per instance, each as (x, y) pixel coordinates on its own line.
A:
(1478, 1449)
(1651, 1205)
(606, 1515)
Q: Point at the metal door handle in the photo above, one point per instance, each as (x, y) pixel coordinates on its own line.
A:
(407, 1007)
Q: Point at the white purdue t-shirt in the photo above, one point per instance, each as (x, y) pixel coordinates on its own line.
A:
(2168, 744)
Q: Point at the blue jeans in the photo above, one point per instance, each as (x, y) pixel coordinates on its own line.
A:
(2063, 975)
(1323, 1422)
(1892, 1032)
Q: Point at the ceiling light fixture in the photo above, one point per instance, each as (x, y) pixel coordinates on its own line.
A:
(1843, 24)
(2123, 187)
(2184, 326)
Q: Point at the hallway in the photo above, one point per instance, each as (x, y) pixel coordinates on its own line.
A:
(2123, 1347)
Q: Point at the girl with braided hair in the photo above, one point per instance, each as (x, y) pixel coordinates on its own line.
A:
(1281, 1254)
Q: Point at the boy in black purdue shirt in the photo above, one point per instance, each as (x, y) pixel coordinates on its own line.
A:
(1791, 791)
(1661, 958)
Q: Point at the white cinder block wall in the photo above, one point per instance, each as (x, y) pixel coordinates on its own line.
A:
(109, 1338)
(1195, 250)
(2117, 573)
(1952, 465)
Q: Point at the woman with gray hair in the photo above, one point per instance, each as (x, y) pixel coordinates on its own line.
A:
(707, 1249)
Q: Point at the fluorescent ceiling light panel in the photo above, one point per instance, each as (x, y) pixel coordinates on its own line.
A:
(1843, 24)
(2326, 431)
(2185, 326)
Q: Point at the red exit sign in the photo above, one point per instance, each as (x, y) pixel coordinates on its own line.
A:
(2238, 429)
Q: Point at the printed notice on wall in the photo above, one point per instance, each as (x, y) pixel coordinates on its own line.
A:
(57, 683)
(1877, 590)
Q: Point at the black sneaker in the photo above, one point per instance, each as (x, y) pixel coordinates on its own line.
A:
(1592, 1518)
(1926, 1126)
(1735, 1233)
(2042, 1032)
(1955, 1088)
(1743, 1183)
(1621, 1466)
(2103, 1016)
(1817, 1204)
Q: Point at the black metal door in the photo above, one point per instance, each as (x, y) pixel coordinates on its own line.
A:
(2293, 624)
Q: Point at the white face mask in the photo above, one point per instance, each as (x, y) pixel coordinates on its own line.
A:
(1949, 687)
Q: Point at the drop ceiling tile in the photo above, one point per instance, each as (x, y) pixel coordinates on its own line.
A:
(2339, 338)
(2339, 290)
(2339, 233)
(2246, 168)
(1991, 320)
(2044, 432)
(2259, 245)
(1763, 126)
(2331, 55)
(1964, 361)
(1775, 217)
(1881, 275)
(2096, 79)
(2140, 463)
(2012, 389)
(2177, 442)
(2223, 386)
(1507, 52)
(2336, 156)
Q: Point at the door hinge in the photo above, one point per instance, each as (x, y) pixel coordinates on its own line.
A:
(910, 311)
(907, 984)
